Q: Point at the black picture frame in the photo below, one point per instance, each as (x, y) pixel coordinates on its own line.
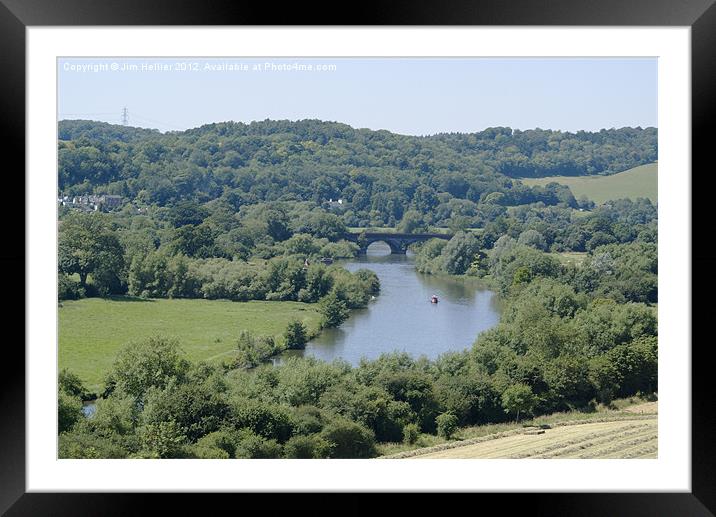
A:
(699, 15)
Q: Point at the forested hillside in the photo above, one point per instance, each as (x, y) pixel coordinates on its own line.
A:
(234, 213)
(378, 174)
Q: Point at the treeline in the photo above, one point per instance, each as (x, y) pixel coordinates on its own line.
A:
(260, 252)
(621, 238)
(620, 272)
(159, 275)
(539, 152)
(379, 175)
(217, 250)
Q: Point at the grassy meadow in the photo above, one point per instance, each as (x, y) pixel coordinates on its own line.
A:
(570, 257)
(633, 183)
(92, 330)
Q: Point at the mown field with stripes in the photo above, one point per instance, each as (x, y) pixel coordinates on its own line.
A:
(631, 434)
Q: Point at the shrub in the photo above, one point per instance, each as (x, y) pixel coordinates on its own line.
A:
(295, 335)
(252, 350)
(446, 424)
(223, 440)
(306, 447)
(209, 453)
(82, 443)
(411, 433)
(253, 446)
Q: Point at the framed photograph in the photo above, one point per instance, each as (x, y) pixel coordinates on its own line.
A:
(299, 258)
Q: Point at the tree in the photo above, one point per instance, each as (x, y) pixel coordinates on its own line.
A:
(412, 222)
(196, 408)
(68, 289)
(187, 212)
(425, 199)
(417, 390)
(302, 244)
(295, 335)
(568, 381)
(604, 377)
(88, 246)
(276, 222)
(322, 225)
(151, 363)
(69, 411)
(517, 399)
(334, 311)
(459, 252)
(162, 440)
(349, 440)
(532, 238)
(71, 384)
(318, 282)
(270, 421)
(471, 398)
(194, 240)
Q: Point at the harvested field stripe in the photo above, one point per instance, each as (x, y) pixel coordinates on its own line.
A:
(567, 437)
(647, 448)
(608, 438)
(619, 443)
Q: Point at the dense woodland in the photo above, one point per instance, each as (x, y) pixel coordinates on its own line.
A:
(234, 211)
(379, 174)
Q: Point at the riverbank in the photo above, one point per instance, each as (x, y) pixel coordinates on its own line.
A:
(402, 319)
(92, 330)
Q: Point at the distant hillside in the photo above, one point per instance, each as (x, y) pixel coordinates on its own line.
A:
(101, 131)
(538, 152)
(316, 160)
(638, 182)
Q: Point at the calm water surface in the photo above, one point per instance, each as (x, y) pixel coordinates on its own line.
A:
(402, 318)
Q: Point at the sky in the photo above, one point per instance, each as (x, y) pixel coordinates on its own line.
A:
(412, 96)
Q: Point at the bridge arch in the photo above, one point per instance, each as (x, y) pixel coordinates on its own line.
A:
(398, 242)
(396, 247)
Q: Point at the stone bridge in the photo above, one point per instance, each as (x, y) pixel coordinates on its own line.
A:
(398, 242)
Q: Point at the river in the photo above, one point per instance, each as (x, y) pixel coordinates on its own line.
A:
(402, 318)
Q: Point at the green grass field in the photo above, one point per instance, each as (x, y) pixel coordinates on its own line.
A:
(91, 331)
(637, 182)
(570, 257)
